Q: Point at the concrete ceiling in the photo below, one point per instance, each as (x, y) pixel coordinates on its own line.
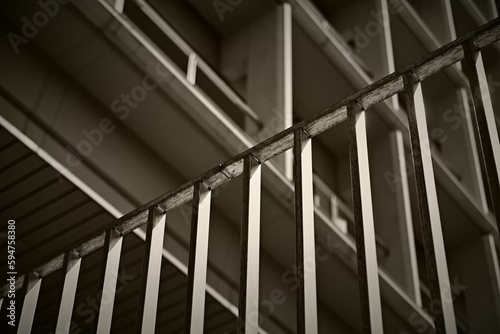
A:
(227, 20)
(51, 214)
(50, 211)
(330, 5)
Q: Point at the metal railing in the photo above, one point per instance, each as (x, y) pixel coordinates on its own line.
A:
(298, 138)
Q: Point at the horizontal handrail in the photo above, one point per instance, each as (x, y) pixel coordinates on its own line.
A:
(277, 144)
(201, 64)
(329, 30)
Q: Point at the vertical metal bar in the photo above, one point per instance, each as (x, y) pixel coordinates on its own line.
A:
(334, 207)
(403, 200)
(198, 257)
(71, 270)
(286, 54)
(151, 269)
(485, 120)
(192, 67)
(493, 8)
(250, 248)
(472, 149)
(371, 309)
(432, 234)
(107, 282)
(388, 65)
(491, 259)
(307, 314)
(31, 290)
(119, 4)
(449, 24)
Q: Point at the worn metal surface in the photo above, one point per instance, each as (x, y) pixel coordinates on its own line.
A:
(305, 247)
(151, 268)
(366, 250)
(31, 291)
(198, 257)
(432, 234)
(485, 120)
(71, 271)
(108, 279)
(248, 309)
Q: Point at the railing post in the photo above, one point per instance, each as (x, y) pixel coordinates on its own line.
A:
(118, 5)
(71, 271)
(107, 282)
(31, 289)
(192, 67)
(307, 314)
(432, 234)
(198, 257)
(472, 149)
(403, 202)
(151, 270)
(366, 250)
(485, 120)
(248, 314)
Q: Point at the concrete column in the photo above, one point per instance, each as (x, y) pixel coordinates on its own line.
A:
(479, 276)
(461, 112)
(452, 131)
(386, 49)
(475, 178)
(393, 219)
(269, 80)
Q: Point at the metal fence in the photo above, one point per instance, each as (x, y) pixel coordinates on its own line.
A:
(297, 138)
